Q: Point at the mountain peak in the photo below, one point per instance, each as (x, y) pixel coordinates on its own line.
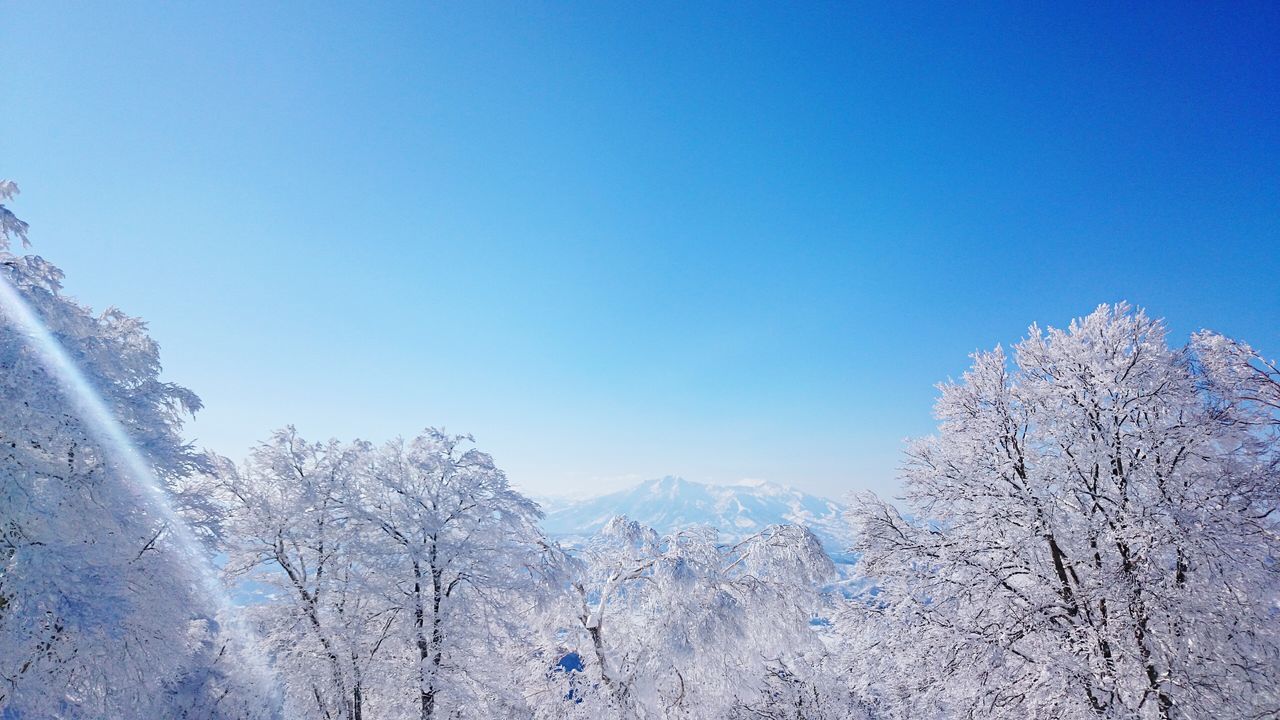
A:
(667, 484)
(671, 503)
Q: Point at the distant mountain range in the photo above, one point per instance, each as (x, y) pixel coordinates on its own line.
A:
(672, 503)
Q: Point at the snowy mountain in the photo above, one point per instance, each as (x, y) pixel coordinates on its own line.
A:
(735, 510)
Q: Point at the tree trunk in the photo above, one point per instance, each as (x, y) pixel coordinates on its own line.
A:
(617, 689)
(426, 698)
(357, 700)
(437, 630)
(313, 616)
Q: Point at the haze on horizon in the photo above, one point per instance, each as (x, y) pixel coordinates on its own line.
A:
(617, 243)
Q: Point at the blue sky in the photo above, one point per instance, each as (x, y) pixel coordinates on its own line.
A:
(616, 241)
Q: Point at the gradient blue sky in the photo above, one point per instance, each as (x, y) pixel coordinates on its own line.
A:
(621, 240)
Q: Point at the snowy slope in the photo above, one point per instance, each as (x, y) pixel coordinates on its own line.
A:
(735, 510)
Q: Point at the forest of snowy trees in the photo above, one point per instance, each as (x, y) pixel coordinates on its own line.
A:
(1091, 533)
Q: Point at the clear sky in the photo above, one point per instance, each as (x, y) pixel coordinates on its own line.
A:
(621, 240)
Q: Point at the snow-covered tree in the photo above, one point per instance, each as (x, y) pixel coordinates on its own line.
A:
(101, 612)
(679, 626)
(288, 528)
(1095, 536)
(407, 580)
(805, 686)
(461, 556)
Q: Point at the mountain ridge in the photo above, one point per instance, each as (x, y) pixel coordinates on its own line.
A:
(736, 510)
